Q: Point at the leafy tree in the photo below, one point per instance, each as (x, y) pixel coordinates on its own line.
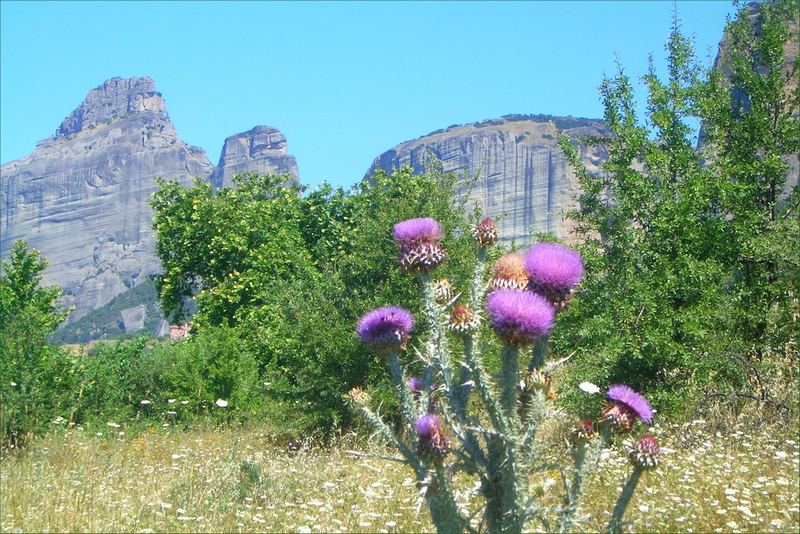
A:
(292, 274)
(676, 241)
(34, 377)
(751, 123)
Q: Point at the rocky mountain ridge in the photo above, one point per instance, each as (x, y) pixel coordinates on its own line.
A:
(82, 197)
(510, 167)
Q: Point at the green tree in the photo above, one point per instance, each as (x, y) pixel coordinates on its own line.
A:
(751, 123)
(35, 378)
(676, 241)
(292, 273)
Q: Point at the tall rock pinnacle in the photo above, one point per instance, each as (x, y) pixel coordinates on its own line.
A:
(81, 198)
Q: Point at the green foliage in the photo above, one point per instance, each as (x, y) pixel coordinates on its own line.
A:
(290, 275)
(686, 257)
(34, 376)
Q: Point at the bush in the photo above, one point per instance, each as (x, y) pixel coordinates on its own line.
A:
(36, 379)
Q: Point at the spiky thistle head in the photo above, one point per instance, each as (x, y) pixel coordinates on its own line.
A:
(645, 452)
(625, 406)
(485, 233)
(463, 321)
(519, 317)
(554, 271)
(509, 273)
(359, 396)
(442, 291)
(585, 429)
(418, 242)
(386, 328)
(432, 444)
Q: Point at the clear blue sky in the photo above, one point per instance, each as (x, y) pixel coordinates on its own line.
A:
(343, 81)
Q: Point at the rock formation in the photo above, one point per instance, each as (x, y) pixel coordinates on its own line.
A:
(521, 177)
(261, 150)
(81, 198)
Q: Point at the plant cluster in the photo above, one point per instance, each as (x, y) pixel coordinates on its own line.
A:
(444, 432)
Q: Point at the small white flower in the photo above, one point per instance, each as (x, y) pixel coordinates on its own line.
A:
(112, 425)
(222, 403)
(184, 402)
(13, 383)
(144, 402)
(589, 388)
(170, 401)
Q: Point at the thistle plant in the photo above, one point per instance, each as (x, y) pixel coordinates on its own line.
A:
(457, 417)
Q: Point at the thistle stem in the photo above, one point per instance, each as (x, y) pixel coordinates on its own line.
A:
(509, 377)
(398, 379)
(538, 355)
(615, 523)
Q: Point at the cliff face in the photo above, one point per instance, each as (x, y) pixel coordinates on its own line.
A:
(81, 198)
(261, 150)
(522, 178)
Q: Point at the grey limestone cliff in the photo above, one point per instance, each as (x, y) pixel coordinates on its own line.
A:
(520, 175)
(261, 150)
(82, 197)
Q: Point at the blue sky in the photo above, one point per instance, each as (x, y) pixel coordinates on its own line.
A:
(343, 81)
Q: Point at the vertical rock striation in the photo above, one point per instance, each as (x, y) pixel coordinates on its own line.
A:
(512, 168)
(82, 197)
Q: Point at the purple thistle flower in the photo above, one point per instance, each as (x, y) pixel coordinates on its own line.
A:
(520, 317)
(428, 426)
(420, 250)
(625, 407)
(386, 328)
(412, 231)
(432, 444)
(415, 385)
(626, 395)
(554, 270)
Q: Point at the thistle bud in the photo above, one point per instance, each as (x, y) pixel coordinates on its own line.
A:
(485, 233)
(585, 430)
(509, 273)
(432, 445)
(463, 321)
(442, 291)
(359, 396)
(415, 385)
(645, 452)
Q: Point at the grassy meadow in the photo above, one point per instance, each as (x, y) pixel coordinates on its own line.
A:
(243, 480)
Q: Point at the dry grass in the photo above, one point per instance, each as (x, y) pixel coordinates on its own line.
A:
(240, 480)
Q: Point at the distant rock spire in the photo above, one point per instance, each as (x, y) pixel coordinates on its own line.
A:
(115, 98)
